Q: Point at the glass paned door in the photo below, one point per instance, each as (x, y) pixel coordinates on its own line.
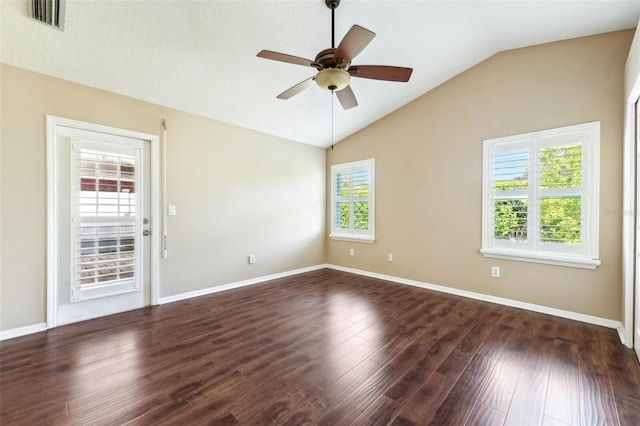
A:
(106, 229)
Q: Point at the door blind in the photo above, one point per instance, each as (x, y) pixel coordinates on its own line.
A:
(104, 221)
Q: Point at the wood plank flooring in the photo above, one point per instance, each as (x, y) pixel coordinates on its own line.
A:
(323, 348)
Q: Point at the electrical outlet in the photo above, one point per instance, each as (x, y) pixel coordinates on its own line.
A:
(495, 271)
(252, 259)
(352, 252)
(390, 257)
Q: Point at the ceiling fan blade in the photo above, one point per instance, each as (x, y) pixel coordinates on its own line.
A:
(292, 91)
(347, 98)
(353, 43)
(381, 72)
(283, 57)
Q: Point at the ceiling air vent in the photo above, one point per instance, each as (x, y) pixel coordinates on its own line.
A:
(49, 12)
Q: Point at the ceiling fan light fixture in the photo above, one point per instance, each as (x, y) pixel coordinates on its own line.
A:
(333, 79)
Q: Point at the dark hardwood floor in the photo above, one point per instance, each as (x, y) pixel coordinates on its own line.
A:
(325, 347)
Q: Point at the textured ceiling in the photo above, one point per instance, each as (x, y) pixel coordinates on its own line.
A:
(200, 56)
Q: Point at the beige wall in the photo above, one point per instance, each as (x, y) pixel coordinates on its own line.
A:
(238, 192)
(429, 172)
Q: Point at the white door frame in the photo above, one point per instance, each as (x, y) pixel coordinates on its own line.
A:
(629, 215)
(635, 291)
(53, 123)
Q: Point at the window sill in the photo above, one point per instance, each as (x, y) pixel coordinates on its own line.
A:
(549, 259)
(353, 238)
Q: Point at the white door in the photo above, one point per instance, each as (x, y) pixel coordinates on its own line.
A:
(103, 212)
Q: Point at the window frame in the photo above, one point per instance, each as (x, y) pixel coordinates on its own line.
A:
(354, 235)
(533, 250)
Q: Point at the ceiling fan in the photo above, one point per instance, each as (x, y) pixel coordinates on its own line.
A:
(334, 65)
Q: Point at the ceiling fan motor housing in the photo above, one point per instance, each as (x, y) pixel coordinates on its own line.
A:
(327, 59)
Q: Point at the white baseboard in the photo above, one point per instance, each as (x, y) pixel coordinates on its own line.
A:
(35, 328)
(237, 284)
(493, 299)
(622, 333)
(22, 331)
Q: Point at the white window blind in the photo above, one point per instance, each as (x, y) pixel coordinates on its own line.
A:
(560, 184)
(540, 199)
(104, 228)
(352, 201)
(510, 166)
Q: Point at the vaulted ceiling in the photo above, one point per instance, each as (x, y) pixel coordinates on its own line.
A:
(200, 56)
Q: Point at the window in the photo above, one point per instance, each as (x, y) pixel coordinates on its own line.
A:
(540, 196)
(353, 201)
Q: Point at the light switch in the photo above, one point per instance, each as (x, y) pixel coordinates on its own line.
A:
(172, 211)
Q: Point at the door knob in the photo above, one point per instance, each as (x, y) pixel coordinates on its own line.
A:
(146, 232)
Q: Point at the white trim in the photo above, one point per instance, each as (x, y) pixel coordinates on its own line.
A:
(628, 209)
(628, 216)
(558, 260)
(622, 334)
(487, 298)
(52, 221)
(237, 284)
(353, 238)
(23, 331)
(52, 124)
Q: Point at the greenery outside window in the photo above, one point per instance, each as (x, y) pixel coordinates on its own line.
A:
(541, 195)
(353, 201)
